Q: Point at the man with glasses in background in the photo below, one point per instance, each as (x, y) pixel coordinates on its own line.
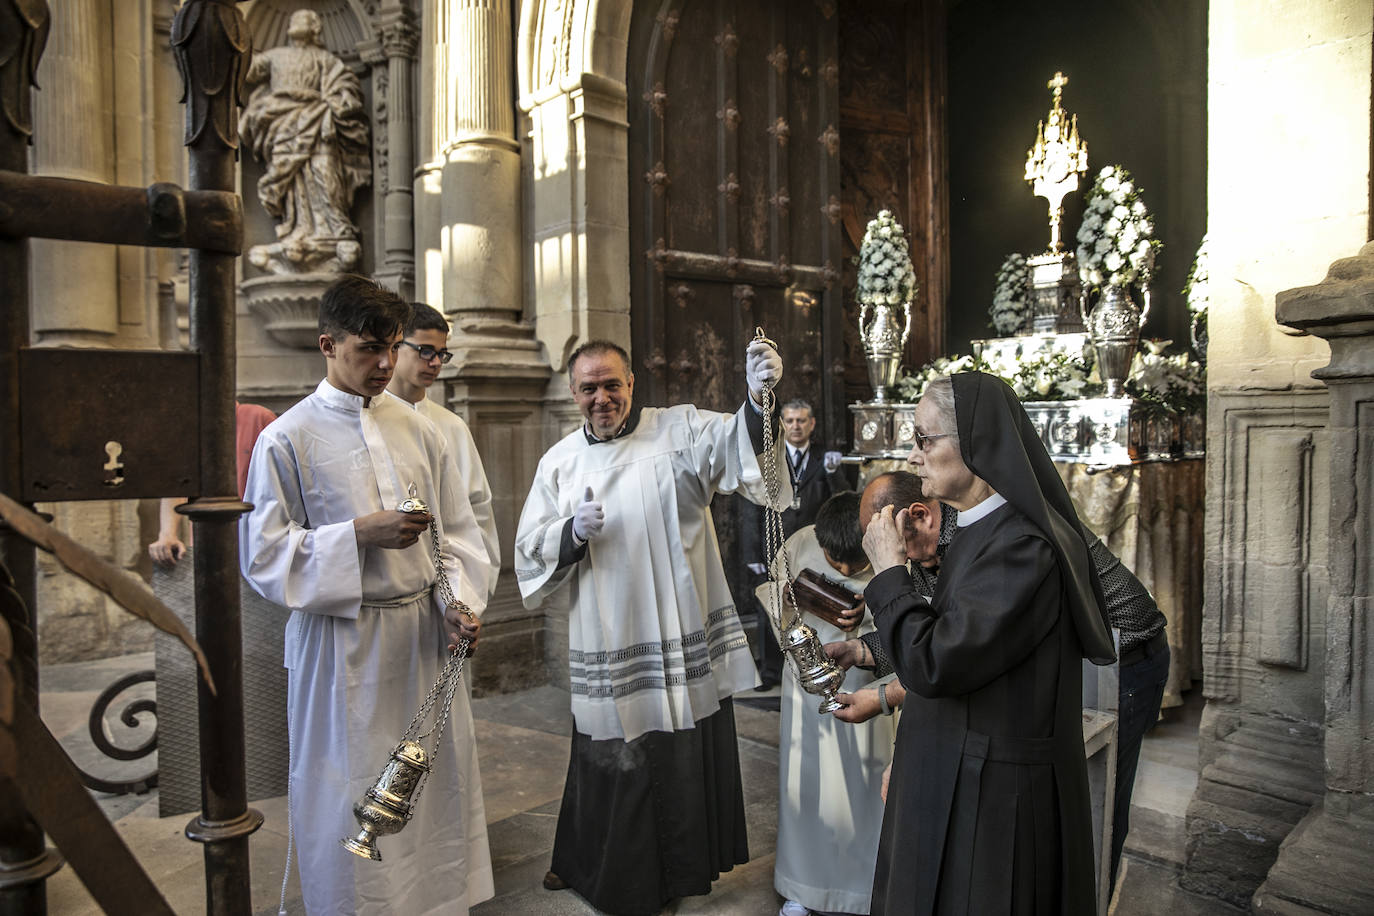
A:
(424, 351)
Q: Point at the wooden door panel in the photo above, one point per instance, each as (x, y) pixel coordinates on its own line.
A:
(690, 123)
(728, 104)
(891, 96)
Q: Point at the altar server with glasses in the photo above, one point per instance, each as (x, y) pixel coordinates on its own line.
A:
(424, 352)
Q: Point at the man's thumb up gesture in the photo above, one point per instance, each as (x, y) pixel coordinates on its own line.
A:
(588, 520)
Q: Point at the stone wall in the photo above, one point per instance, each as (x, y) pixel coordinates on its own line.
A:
(1289, 156)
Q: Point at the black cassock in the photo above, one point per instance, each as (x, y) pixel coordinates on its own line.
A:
(987, 809)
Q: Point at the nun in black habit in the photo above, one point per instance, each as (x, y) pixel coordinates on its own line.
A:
(987, 809)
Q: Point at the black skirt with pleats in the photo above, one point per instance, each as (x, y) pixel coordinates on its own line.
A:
(649, 820)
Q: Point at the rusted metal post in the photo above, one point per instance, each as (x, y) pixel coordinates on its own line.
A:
(212, 48)
(25, 862)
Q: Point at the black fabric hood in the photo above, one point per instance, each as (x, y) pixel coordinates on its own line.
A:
(999, 444)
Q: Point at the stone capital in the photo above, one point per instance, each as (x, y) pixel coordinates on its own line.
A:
(1340, 310)
(400, 34)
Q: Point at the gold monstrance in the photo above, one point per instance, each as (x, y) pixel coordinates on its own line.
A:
(1053, 165)
(1057, 159)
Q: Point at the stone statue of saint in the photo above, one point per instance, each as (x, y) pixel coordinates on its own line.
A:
(305, 122)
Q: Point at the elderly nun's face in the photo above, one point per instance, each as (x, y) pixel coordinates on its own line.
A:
(936, 459)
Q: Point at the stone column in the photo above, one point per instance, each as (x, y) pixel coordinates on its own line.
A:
(1325, 864)
(468, 227)
(75, 284)
(399, 42)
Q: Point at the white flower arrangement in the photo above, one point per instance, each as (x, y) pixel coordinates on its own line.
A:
(1171, 382)
(885, 273)
(1195, 291)
(1041, 377)
(1051, 376)
(1116, 243)
(1011, 300)
(911, 387)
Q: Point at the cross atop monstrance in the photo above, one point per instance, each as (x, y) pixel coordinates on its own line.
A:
(1057, 159)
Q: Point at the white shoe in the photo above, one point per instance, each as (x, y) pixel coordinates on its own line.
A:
(793, 908)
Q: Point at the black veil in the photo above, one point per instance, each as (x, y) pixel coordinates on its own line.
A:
(999, 444)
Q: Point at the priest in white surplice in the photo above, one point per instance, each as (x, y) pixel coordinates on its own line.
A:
(620, 509)
(368, 634)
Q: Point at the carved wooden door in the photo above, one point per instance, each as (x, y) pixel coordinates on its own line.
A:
(734, 200)
(763, 136)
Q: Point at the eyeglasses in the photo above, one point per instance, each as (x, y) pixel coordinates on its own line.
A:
(428, 353)
(923, 442)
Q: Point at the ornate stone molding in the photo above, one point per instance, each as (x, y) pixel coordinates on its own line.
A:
(1340, 310)
(400, 34)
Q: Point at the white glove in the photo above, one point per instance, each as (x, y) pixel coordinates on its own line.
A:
(762, 366)
(833, 462)
(588, 520)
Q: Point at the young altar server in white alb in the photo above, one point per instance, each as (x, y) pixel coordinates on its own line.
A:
(424, 351)
(830, 805)
(653, 804)
(368, 631)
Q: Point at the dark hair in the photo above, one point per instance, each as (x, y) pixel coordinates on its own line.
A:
(837, 528)
(425, 318)
(356, 305)
(899, 489)
(596, 347)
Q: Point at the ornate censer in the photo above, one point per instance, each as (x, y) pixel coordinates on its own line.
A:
(816, 673)
(386, 807)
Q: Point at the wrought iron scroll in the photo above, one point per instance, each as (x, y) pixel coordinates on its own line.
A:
(130, 715)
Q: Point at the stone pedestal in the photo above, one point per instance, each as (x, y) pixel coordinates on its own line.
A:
(288, 306)
(499, 391)
(1325, 864)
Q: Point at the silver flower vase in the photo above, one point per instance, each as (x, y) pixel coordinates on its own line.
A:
(1114, 328)
(884, 340)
